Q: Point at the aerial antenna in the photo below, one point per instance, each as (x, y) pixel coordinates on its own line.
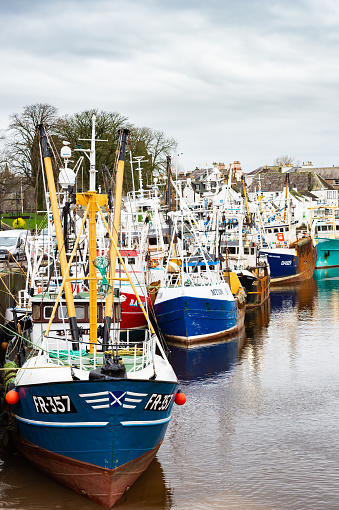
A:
(139, 160)
(91, 155)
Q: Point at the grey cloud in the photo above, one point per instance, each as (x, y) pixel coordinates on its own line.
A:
(261, 75)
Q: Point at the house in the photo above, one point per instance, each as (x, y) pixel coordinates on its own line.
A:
(305, 188)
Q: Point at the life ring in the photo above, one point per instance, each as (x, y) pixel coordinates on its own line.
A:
(280, 236)
(154, 263)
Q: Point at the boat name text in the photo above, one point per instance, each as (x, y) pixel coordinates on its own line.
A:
(158, 402)
(59, 404)
(217, 292)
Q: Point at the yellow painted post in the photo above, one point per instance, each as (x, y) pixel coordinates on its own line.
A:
(94, 201)
(115, 234)
(47, 153)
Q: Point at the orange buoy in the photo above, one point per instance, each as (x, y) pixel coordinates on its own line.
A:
(180, 398)
(4, 345)
(12, 397)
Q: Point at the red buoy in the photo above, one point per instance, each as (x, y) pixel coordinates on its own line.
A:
(180, 398)
(12, 397)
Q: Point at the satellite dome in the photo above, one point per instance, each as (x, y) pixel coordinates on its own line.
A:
(66, 177)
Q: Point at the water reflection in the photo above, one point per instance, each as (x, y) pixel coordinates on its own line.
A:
(257, 320)
(259, 429)
(22, 487)
(326, 274)
(202, 361)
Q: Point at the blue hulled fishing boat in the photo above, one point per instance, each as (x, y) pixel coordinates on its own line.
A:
(293, 263)
(194, 302)
(92, 415)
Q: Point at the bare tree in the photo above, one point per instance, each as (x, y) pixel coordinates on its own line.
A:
(154, 146)
(285, 160)
(22, 147)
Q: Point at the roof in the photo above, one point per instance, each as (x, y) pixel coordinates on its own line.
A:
(327, 172)
(197, 173)
(303, 194)
(276, 181)
(263, 170)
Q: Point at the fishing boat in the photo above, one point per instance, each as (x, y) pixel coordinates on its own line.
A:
(240, 252)
(291, 254)
(194, 302)
(324, 230)
(294, 263)
(92, 417)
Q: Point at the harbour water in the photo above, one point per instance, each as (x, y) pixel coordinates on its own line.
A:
(260, 427)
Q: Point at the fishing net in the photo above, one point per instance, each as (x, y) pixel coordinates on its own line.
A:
(102, 263)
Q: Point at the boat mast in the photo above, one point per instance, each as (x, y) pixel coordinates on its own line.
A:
(169, 206)
(47, 155)
(246, 201)
(123, 134)
(287, 190)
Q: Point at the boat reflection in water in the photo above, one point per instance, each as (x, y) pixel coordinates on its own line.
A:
(300, 296)
(203, 361)
(257, 319)
(23, 487)
(331, 273)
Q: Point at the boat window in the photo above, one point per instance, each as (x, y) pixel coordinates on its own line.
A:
(48, 312)
(252, 251)
(62, 312)
(281, 230)
(231, 250)
(246, 251)
(330, 227)
(269, 230)
(131, 260)
(337, 227)
(36, 312)
(80, 312)
(276, 230)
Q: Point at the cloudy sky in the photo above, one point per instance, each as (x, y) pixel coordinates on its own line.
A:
(246, 80)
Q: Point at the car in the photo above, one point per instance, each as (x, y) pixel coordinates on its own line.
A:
(12, 242)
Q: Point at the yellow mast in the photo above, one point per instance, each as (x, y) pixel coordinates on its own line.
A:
(123, 134)
(245, 195)
(93, 201)
(47, 154)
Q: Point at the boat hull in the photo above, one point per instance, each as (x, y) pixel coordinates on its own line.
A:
(104, 436)
(327, 253)
(192, 319)
(132, 317)
(257, 288)
(293, 264)
(104, 486)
